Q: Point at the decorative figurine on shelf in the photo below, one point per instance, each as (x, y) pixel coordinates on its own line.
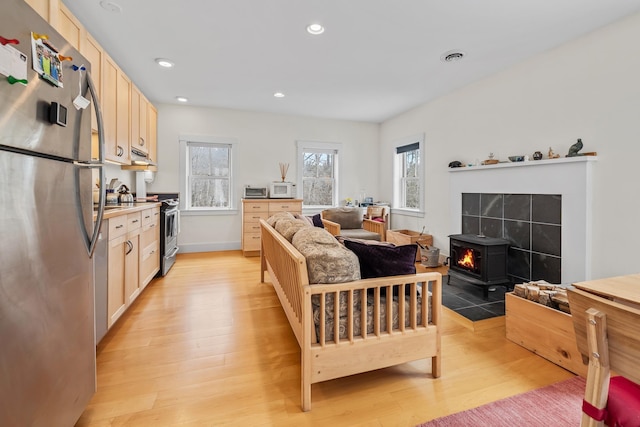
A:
(537, 155)
(573, 150)
(490, 160)
(455, 164)
(553, 155)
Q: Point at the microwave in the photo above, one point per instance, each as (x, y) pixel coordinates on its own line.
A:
(256, 192)
(282, 190)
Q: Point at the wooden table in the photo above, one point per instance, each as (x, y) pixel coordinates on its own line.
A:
(622, 289)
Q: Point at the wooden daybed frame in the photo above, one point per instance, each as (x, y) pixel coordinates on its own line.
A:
(327, 357)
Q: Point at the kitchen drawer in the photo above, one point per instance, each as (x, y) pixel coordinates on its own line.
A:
(149, 262)
(150, 233)
(255, 207)
(251, 242)
(151, 216)
(293, 207)
(117, 226)
(255, 217)
(134, 220)
(251, 227)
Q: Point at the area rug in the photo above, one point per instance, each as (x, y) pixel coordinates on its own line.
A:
(558, 404)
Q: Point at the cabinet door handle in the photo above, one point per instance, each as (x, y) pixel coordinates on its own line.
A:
(134, 221)
(120, 151)
(119, 226)
(130, 245)
(141, 141)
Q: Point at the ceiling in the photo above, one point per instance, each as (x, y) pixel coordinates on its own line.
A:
(376, 58)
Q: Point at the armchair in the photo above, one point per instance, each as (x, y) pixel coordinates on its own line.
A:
(349, 222)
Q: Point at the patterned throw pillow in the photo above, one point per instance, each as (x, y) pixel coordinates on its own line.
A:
(327, 260)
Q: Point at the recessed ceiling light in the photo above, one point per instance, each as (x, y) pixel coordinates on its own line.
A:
(279, 95)
(181, 99)
(164, 62)
(315, 29)
(452, 56)
(111, 6)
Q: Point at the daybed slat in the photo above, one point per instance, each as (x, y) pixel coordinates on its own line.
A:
(401, 306)
(323, 318)
(389, 313)
(413, 308)
(376, 312)
(363, 314)
(350, 325)
(336, 317)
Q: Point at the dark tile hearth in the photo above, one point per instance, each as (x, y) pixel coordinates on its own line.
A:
(467, 300)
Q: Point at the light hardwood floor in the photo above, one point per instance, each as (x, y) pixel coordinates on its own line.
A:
(209, 345)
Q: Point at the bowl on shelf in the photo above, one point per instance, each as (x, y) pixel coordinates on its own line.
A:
(516, 158)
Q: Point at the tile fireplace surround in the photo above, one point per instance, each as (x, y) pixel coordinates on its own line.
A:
(543, 207)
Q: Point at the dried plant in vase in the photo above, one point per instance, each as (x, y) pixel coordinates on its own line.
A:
(284, 168)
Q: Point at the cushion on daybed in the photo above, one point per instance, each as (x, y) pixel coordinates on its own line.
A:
(381, 259)
(288, 227)
(273, 219)
(343, 321)
(327, 260)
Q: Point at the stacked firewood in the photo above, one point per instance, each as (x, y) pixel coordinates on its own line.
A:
(544, 293)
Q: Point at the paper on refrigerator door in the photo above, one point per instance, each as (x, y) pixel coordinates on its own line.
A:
(13, 62)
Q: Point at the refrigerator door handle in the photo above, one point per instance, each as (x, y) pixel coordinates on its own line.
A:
(96, 105)
(90, 242)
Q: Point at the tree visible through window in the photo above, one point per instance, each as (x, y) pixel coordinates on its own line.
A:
(318, 173)
(208, 175)
(408, 162)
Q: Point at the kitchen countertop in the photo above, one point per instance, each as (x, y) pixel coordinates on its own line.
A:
(111, 211)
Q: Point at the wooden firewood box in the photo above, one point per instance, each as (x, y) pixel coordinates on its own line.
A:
(545, 331)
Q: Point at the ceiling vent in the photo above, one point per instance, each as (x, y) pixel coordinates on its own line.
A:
(452, 56)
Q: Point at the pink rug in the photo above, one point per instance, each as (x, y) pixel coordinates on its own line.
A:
(558, 404)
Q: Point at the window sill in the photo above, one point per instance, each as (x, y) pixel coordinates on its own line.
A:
(209, 212)
(407, 212)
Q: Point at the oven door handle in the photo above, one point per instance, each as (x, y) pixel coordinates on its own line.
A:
(173, 253)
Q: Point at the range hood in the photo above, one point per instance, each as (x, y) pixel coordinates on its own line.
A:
(139, 158)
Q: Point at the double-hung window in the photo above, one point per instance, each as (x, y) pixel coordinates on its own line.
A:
(318, 173)
(207, 174)
(408, 173)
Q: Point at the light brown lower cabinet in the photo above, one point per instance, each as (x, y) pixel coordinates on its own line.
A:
(149, 246)
(253, 210)
(133, 258)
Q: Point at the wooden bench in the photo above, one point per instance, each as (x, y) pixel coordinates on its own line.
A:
(327, 357)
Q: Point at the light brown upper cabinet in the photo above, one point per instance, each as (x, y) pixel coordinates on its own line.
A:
(152, 133)
(123, 120)
(139, 120)
(70, 28)
(48, 9)
(94, 54)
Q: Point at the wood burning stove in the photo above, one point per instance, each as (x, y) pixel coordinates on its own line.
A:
(479, 260)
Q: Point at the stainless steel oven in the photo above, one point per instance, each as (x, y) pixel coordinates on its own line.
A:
(170, 227)
(169, 230)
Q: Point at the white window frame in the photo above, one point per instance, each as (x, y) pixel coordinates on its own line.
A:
(319, 147)
(397, 176)
(185, 190)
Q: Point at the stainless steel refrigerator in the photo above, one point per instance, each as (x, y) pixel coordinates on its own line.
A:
(47, 232)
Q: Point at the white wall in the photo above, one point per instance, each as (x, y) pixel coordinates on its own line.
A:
(588, 88)
(264, 141)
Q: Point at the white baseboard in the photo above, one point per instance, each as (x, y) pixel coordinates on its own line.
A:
(208, 247)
